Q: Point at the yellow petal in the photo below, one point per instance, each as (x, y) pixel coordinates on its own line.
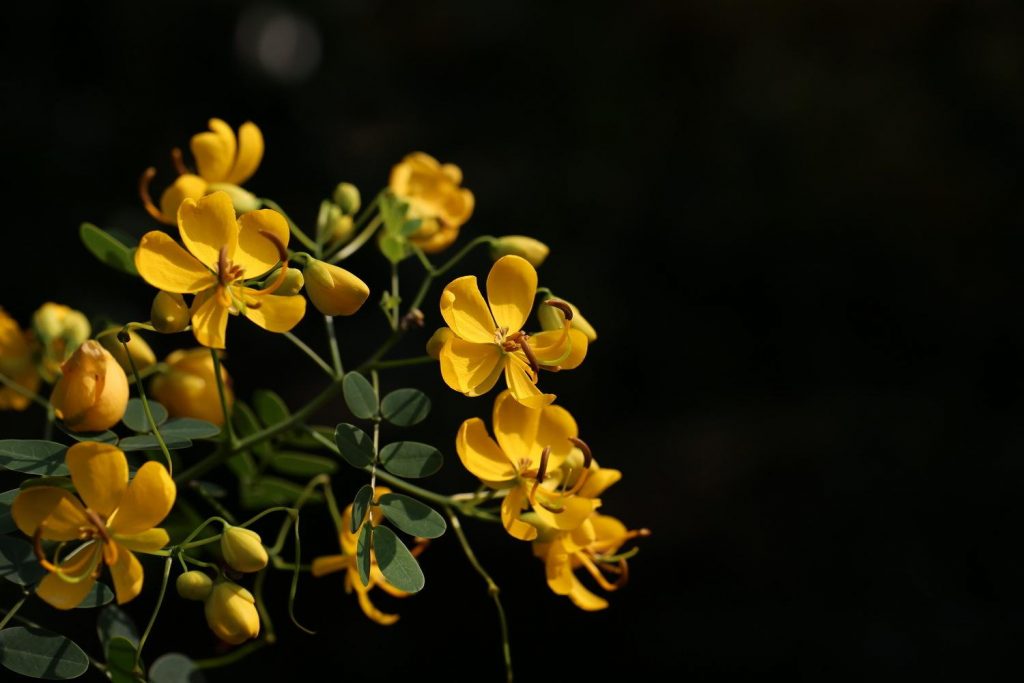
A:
(518, 376)
(328, 564)
(164, 264)
(525, 432)
(214, 151)
(146, 542)
(584, 599)
(185, 186)
(250, 153)
(372, 612)
(598, 479)
(606, 528)
(470, 368)
(210, 319)
(56, 510)
(552, 347)
(480, 454)
(207, 225)
(511, 508)
(558, 569)
(511, 287)
(580, 537)
(64, 594)
(256, 253)
(126, 571)
(465, 311)
(99, 472)
(147, 501)
(573, 510)
(276, 313)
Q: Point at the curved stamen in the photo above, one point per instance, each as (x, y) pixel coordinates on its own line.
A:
(528, 352)
(147, 202)
(598, 576)
(179, 162)
(560, 305)
(282, 254)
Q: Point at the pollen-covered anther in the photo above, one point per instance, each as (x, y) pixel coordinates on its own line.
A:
(227, 272)
(560, 305)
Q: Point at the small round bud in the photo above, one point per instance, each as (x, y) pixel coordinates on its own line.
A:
(194, 585)
(231, 613)
(293, 282)
(334, 290)
(528, 248)
(437, 342)
(189, 386)
(346, 196)
(60, 330)
(169, 314)
(138, 349)
(92, 392)
(243, 549)
(242, 199)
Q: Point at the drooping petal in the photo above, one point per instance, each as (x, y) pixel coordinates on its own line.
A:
(480, 454)
(574, 510)
(608, 528)
(511, 288)
(99, 472)
(328, 564)
(250, 153)
(370, 610)
(276, 313)
(511, 508)
(147, 501)
(207, 225)
(465, 311)
(584, 599)
(470, 368)
(520, 383)
(126, 571)
(598, 479)
(146, 542)
(558, 569)
(64, 594)
(164, 264)
(59, 513)
(256, 253)
(210, 319)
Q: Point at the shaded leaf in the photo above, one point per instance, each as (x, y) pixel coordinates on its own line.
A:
(106, 436)
(174, 667)
(114, 622)
(363, 547)
(269, 491)
(302, 464)
(6, 521)
(412, 516)
(355, 445)
(120, 654)
(148, 442)
(99, 595)
(360, 397)
(405, 407)
(108, 249)
(135, 415)
(411, 459)
(18, 563)
(270, 408)
(360, 504)
(189, 428)
(33, 457)
(397, 564)
(38, 653)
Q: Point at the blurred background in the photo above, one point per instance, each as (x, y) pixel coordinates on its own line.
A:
(795, 225)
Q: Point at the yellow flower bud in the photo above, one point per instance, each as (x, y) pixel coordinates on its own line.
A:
(437, 342)
(243, 200)
(60, 330)
(293, 281)
(332, 225)
(189, 387)
(553, 319)
(334, 290)
(92, 393)
(169, 313)
(243, 549)
(139, 350)
(194, 585)
(16, 362)
(231, 613)
(528, 248)
(346, 196)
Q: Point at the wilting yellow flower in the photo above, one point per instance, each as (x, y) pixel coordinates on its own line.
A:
(223, 162)
(141, 354)
(593, 546)
(346, 561)
(113, 518)
(59, 329)
(490, 339)
(16, 363)
(231, 613)
(92, 392)
(169, 313)
(333, 290)
(530, 249)
(225, 253)
(243, 549)
(189, 387)
(194, 585)
(433, 194)
(532, 445)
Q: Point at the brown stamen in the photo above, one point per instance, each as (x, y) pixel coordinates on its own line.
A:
(147, 202)
(560, 305)
(534, 365)
(179, 161)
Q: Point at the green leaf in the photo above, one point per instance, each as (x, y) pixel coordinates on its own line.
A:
(303, 465)
(359, 396)
(405, 407)
(246, 424)
(189, 428)
(397, 564)
(102, 437)
(360, 504)
(209, 489)
(135, 415)
(121, 660)
(270, 407)
(394, 247)
(174, 667)
(411, 226)
(148, 442)
(114, 622)
(242, 465)
(6, 500)
(107, 249)
(59, 482)
(355, 445)
(38, 653)
(269, 491)
(33, 457)
(363, 546)
(99, 595)
(411, 459)
(18, 563)
(412, 516)
(392, 213)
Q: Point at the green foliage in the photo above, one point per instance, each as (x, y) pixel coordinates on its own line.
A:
(18, 563)
(360, 505)
(360, 397)
(405, 407)
(394, 243)
(363, 547)
(38, 653)
(105, 436)
(412, 516)
(189, 428)
(135, 415)
(148, 442)
(174, 667)
(108, 249)
(33, 456)
(355, 445)
(120, 654)
(411, 459)
(270, 407)
(99, 595)
(397, 564)
(268, 491)
(302, 465)
(114, 622)
(6, 521)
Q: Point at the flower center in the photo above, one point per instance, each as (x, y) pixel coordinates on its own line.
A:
(517, 341)
(227, 272)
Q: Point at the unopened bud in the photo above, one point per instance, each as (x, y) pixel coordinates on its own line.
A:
(334, 290)
(528, 248)
(92, 392)
(552, 318)
(243, 549)
(346, 196)
(437, 342)
(194, 585)
(242, 199)
(293, 281)
(169, 314)
(231, 613)
(138, 349)
(60, 330)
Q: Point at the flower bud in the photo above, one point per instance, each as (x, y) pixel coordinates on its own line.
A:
(528, 248)
(189, 387)
(60, 330)
(16, 347)
(169, 313)
(553, 319)
(293, 281)
(437, 342)
(243, 549)
(346, 196)
(332, 225)
(138, 349)
(243, 200)
(334, 290)
(194, 585)
(231, 613)
(92, 393)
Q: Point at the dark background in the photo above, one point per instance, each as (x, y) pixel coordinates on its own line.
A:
(796, 226)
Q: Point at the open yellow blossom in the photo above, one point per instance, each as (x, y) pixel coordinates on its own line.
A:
(489, 339)
(432, 192)
(189, 386)
(111, 517)
(593, 546)
(16, 363)
(532, 445)
(346, 561)
(223, 162)
(223, 254)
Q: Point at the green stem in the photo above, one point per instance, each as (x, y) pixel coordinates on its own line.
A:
(310, 352)
(145, 402)
(400, 363)
(332, 338)
(156, 611)
(18, 389)
(268, 625)
(222, 394)
(396, 303)
(359, 240)
(214, 503)
(231, 657)
(301, 236)
(11, 612)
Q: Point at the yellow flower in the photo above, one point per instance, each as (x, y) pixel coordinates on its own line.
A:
(532, 445)
(92, 392)
(189, 387)
(223, 162)
(225, 253)
(16, 363)
(169, 313)
(194, 585)
(59, 329)
(346, 561)
(593, 546)
(231, 613)
(433, 194)
(113, 518)
(333, 290)
(490, 339)
(243, 549)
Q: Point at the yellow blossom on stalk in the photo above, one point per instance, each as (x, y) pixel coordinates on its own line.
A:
(432, 191)
(59, 329)
(92, 392)
(527, 458)
(112, 517)
(189, 387)
(489, 339)
(223, 162)
(223, 254)
(594, 546)
(346, 561)
(16, 363)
